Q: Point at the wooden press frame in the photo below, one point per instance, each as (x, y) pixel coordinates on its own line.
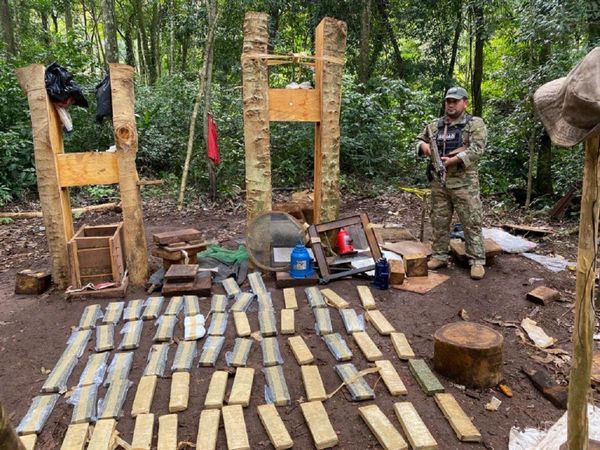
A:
(314, 232)
(58, 171)
(320, 105)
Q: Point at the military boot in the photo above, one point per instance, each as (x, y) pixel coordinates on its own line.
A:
(436, 263)
(477, 272)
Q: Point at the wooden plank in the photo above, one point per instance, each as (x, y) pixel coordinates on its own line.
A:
(274, 426)
(367, 346)
(102, 435)
(459, 421)
(283, 280)
(216, 389)
(181, 273)
(337, 346)
(242, 387)
(401, 345)
(85, 168)
(75, 437)
(242, 326)
(334, 299)
(425, 377)
(366, 297)
(167, 432)
(287, 321)
(235, 428)
(74, 272)
(125, 132)
(294, 105)
(407, 247)
(208, 429)
(414, 428)
(173, 236)
(313, 384)
(323, 434)
(387, 435)
(29, 441)
(202, 287)
(289, 298)
(142, 432)
(180, 392)
(543, 295)
(277, 386)
(390, 377)
(379, 322)
(300, 350)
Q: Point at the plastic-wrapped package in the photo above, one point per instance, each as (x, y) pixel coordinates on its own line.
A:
(105, 337)
(184, 357)
(133, 310)
(256, 283)
(218, 303)
(152, 308)
(352, 321)
(89, 317)
(315, 299)
(359, 389)
(57, 379)
(119, 367)
(113, 312)
(95, 369)
(84, 404)
(231, 287)
(276, 390)
(190, 305)
(77, 342)
(218, 324)
(38, 413)
(267, 322)
(242, 302)
(111, 406)
(264, 301)
(337, 346)
(157, 360)
(242, 326)
(174, 307)
(194, 327)
(270, 350)
(132, 332)
(210, 351)
(165, 328)
(239, 356)
(334, 299)
(323, 321)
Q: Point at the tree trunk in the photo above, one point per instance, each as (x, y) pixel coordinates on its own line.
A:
(110, 32)
(150, 67)
(531, 145)
(155, 41)
(68, 15)
(46, 32)
(197, 103)
(543, 180)
(7, 28)
(450, 74)
(365, 35)
(212, 175)
(171, 38)
(8, 438)
(129, 48)
(383, 9)
(478, 17)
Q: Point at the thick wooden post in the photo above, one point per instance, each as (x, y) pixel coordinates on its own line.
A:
(47, 142)
(126, 139)
(330, 42)
(255, 94)
(579, 380)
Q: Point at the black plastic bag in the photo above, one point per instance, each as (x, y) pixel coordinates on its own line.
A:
(61, 88)
(103, 99)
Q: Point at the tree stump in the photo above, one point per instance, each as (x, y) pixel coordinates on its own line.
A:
(469, 353)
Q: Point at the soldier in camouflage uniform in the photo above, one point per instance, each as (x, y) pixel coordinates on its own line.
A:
(461, 140)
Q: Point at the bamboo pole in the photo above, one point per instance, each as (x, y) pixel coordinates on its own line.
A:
(579, 380)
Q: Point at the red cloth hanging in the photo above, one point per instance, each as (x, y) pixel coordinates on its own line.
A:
(213, 146)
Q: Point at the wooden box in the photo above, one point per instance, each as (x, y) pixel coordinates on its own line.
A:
(32, 282)
(96, 255)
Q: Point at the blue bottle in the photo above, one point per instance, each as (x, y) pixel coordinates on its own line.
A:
(382, 273)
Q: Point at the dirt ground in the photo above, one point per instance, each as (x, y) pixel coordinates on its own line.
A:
(34, 330)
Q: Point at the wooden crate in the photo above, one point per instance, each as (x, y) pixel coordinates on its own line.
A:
(96, 255)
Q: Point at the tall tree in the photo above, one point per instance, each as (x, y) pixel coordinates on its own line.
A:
(383, 10)
(68, 9)
(212, 174)
(364, 71)
(7, 28)
(480, 37)
(110, 32)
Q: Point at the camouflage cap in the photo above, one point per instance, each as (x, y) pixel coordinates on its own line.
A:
(457, 93)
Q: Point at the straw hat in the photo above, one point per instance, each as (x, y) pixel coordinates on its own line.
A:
(570, 107)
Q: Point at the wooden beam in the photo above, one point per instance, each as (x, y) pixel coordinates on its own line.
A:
(294, 105)
(126, 139)
(81, 169)
(47, 142)
(583, 330)
(255, 93)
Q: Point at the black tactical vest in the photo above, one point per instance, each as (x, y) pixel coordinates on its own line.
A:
(451, 138)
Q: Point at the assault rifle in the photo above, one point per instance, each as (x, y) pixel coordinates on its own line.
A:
(439, 169)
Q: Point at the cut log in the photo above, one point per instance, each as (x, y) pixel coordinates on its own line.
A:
(459, 252)
(415, 265)
(171, 237)
(469, 353)
(32, 282)
(396, 271)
